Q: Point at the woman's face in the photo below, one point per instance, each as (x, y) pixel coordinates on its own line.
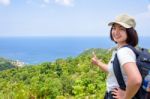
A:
(119, 34)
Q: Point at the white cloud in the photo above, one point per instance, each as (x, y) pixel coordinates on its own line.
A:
(149, 7)
(143, 22)
(5, 2)
(41, 3)
(29, 1)
(46, 1)
(65, 2)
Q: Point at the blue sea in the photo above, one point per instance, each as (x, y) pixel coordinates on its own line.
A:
(34, 50)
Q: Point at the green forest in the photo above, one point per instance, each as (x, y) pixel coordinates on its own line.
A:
(69, 78)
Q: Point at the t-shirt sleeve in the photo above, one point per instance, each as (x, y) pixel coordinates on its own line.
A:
(126, 55)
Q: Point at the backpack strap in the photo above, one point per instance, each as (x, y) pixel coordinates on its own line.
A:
(117, 69)
(118, 73)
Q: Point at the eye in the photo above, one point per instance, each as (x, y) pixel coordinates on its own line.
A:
(123, 29)
(113, 28)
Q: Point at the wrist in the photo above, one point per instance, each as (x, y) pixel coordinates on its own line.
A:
(98, 63)
(126, 97)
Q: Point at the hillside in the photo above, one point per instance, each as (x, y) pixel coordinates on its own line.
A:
(70, 78)
(5, 64)
(9, 64)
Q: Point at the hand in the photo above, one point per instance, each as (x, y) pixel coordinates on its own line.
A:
(95, 60)
(118, 93)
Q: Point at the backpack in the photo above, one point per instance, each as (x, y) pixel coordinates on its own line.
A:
(143, 63)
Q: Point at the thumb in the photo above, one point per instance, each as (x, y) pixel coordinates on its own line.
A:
(94, 55)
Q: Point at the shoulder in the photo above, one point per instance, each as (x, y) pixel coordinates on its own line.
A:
(125, 50)
(126, 55)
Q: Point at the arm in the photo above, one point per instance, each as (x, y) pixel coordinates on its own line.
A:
(99, 63)
(134, 80)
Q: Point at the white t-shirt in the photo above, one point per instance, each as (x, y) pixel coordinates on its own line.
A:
(125, 55)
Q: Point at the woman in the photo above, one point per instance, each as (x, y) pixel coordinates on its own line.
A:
(122, 33)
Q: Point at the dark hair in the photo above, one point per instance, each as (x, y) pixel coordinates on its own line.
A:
(132, 37)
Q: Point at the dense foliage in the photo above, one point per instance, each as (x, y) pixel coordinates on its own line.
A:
(70, 78)
(5, 64)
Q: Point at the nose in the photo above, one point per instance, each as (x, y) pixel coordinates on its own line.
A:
(116, 31)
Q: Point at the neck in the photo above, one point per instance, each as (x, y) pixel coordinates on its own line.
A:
(121, 45)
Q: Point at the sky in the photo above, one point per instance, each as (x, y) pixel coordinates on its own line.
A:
(69, 17)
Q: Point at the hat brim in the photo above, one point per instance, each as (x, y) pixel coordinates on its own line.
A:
(120, 23)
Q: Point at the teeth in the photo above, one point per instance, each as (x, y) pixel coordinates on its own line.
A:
(117, 37)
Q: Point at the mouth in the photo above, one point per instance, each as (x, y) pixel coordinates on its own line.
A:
(116, 36)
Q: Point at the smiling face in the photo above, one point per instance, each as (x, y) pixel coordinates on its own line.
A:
(119, 34)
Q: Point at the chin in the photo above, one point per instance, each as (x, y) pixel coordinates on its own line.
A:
(117, 40)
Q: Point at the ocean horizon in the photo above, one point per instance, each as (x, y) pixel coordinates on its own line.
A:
(34, 50)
